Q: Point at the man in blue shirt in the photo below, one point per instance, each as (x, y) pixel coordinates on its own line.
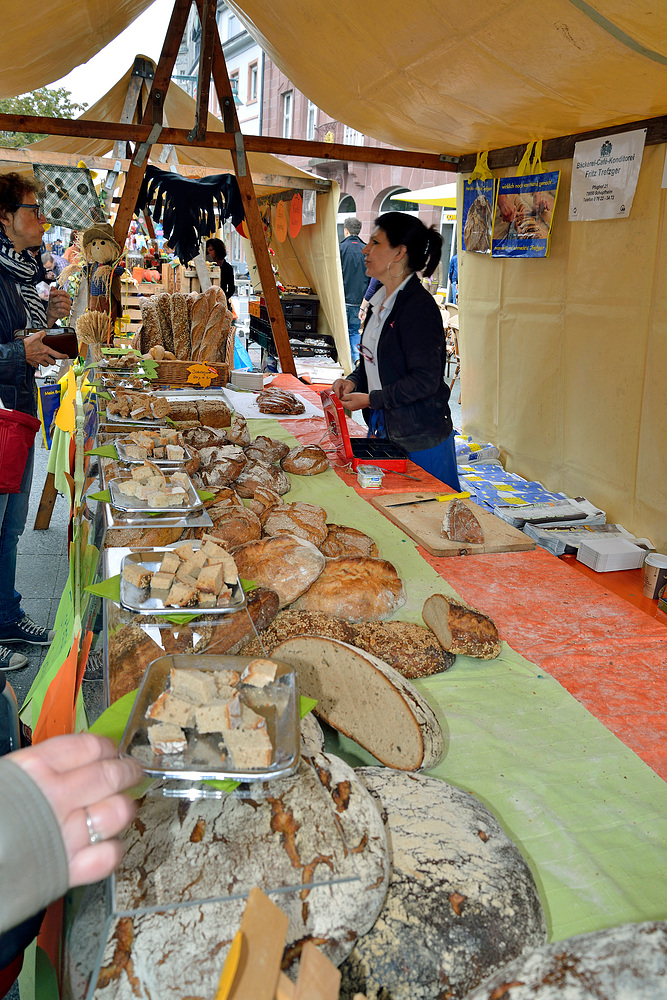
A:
(355, 280)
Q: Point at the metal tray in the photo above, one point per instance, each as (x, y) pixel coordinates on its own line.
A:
(277, 702)
(115, 418)
(133, 505)
(134, 599)
(121, 448)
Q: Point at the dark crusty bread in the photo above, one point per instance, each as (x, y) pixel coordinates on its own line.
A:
(412, 650)
(366, 700)
(234, 525)
(461, 629)
(305, 520)
(286, 564)
(460, 524)
(213, 413)
(345, 541)
(356, 588)
(266, 449)
(305, 460)
(259, 475)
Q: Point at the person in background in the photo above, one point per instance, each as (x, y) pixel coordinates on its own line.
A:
(399, 381)
(453, 275)
(355, 281)
(72, 253)
(53, 265)
(216, 252)
(373, 286)
(57, 248)
(21, 228)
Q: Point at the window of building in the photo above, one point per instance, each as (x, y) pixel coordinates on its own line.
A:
(346, 207)
(252, 82)
(287, 115)
(311, 120)
(234, 81)
(352, 137)
(389, 204)
(233, 26)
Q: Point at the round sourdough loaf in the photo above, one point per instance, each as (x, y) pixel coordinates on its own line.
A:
(305, 520)
(234, 525)
(305, 460)
(259, 475)
(284, 563)
(342, 540)
(366, 700)
(357, 588)
(461, 902)
(317, 836)
(237, 432)
(266, 449)
(204, 437)
(628, 962)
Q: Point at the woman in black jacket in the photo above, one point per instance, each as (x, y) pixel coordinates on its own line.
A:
(216, 252)
(399, 381)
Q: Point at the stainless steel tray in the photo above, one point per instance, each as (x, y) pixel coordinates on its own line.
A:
(115, 418)
(277, 702)
(134, 599)
(133, 505)
(121, 448)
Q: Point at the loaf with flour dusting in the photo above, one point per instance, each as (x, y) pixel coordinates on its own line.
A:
(357, 588)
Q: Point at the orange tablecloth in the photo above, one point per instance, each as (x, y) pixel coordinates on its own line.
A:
(608, 653)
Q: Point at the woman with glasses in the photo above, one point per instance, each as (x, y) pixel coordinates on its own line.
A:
(21, 231)
(399, 380)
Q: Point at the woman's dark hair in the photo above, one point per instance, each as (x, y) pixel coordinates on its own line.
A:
(13, 189)
(422, 244)
(218, 246)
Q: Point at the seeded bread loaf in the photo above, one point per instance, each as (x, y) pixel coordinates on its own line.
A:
(180, 326)
(286, 564)
(305, 460)
(366, 700)
(460, 524)
(342, 540)
(461, 629)
(305, 520)
(356, 588)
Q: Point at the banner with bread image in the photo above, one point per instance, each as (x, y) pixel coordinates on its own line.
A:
(478, 197)
(524, 208)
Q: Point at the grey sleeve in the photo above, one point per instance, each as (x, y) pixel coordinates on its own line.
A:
(33, 861)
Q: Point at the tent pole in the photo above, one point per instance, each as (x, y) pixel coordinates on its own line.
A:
(253, 218)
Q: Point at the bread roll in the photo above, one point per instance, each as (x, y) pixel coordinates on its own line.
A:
(286, 564)
(266, 449)
(305, 520)
(305, 460)
(366, 700)
(356, 588)
(342, 540)
(461, 629)
(460, 524)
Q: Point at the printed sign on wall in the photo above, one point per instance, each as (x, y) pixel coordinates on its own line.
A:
(604, 176)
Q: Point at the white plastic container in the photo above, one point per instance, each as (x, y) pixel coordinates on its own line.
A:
(369, 477)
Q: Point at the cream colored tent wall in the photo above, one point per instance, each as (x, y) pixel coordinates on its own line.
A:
(564, 360)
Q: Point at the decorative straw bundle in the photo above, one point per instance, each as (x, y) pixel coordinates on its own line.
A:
(93, 329)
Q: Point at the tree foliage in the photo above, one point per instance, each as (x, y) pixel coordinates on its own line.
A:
(53, 102)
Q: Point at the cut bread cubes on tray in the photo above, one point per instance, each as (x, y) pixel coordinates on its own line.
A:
(188, 577)
(150, 485)
(210, 702)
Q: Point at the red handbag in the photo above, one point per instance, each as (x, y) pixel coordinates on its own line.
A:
(17, 434)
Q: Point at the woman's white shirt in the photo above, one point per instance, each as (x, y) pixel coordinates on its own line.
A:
(382, 305)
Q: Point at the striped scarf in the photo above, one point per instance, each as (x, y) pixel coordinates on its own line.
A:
(20, 304)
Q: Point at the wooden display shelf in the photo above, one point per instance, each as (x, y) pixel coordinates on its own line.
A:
(131, 298)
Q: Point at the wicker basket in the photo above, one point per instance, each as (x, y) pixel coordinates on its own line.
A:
(178, 373)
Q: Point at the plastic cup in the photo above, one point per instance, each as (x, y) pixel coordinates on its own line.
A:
(655, 574)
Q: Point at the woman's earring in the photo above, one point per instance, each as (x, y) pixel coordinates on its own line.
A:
(400, 273)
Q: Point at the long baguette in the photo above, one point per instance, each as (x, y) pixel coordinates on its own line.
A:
(210, 343)
(198, 319)
(367, 700)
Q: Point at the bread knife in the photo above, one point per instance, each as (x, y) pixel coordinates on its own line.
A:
(444, 498)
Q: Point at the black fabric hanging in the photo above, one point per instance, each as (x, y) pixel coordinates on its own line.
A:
(189, 206)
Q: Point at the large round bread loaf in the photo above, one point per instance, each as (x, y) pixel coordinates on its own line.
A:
(366, 700)
(266, 449)
(411, 649)
(345, 541)
(234, 525)
(204, 437)
(261, 475)
(317, 836)
(238, 432)
(357, 588)
(284, 563)
(628, 962)
(305, 520)
(305, 460)
(460, 629)
(461, 900)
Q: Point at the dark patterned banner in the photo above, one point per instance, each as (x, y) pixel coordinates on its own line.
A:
(69, 197)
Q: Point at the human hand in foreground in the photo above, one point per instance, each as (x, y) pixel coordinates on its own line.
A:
(36, 351)
(59, 305)
(342, 385)
(81, 777)
(355, 400)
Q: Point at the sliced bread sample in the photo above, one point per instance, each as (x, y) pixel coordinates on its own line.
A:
(460, 524)
(357, 588)
(461, 902)
(460, 629)
(366, 700)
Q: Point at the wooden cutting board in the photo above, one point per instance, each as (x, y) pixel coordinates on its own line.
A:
(420, 516)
